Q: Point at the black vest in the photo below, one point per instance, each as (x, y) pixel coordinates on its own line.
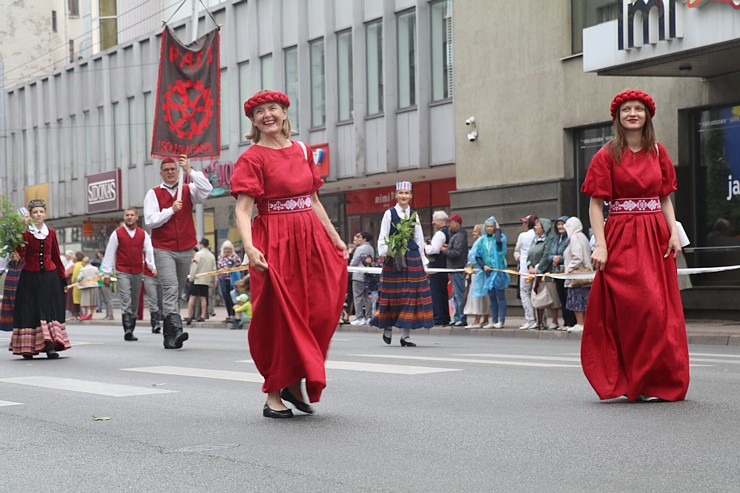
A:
(439, 260)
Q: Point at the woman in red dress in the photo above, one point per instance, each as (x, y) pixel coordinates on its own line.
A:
(634, 337)
(297, 259)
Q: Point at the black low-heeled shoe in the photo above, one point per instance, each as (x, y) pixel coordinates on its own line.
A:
(406, 343)
(269, 412)
(386, 339)
(303, 407)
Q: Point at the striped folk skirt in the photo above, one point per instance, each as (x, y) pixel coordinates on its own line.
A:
(11, 283)
(404, 298)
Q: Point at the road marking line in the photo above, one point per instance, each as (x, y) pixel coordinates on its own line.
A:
(716, 355)
(86, 386)
(377, 367)
(708, 360)
(465, 360)
(8, 403)
(523, 356)
(180, 371)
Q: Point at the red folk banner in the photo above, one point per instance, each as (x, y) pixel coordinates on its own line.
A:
(187, 116)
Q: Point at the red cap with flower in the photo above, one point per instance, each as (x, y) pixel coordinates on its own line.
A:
(632, 95)
(264, 97)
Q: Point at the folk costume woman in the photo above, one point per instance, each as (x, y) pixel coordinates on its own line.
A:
(634, 336)
(404, 297)
(15, 266)
(38, 321)
(295, 256)
(490, 255)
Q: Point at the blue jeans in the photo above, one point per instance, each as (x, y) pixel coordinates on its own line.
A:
(225, 285)
(498, 305)
(458, 295)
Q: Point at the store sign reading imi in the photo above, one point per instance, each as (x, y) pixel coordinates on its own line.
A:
(650, 21)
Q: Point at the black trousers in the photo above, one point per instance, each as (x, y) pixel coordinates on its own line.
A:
(440, 299)
(569, 318)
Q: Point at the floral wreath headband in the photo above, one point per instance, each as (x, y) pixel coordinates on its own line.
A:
(36, 203)
(632, 95)
(263, 98)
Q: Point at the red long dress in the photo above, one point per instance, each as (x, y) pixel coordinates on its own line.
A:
(634, 337)
(297, 301)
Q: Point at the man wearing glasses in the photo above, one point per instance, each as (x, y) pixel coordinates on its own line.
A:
(173, 236)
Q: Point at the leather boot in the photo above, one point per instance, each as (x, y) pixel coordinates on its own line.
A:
(51, 352)
(129, 324)
(155, 319)
(168, 334)
(177, 333)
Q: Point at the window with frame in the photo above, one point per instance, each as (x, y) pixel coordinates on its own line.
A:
(441, 47)
(132, 151)
(101, 138)
(117, 158)
(225, 121)
(345, 104)
(587, 142)
(108, 24)
(245, 92)
(318, 83)
(374, 61)
(266, 72)
(73, 8)
(587, 13)
(406, 26)
(148, 126)
(290, 59)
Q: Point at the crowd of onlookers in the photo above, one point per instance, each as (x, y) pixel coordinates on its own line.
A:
(474, 295)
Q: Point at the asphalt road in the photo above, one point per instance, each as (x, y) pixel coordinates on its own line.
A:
(457, 413)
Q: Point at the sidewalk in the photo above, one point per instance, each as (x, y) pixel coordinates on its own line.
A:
(712, 332)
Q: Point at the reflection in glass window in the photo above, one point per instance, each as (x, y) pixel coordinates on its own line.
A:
(344, 75)
(225, 127)
(132, 126)
(266, 72)
(374, 60)
(245, 92)
(318, 84)
(149, 125)
(291, 84)
(587, 142)
(406, 59)
(441, 34)
(587, 13)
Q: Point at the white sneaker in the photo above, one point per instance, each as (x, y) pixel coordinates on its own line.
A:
(365, 321)
(473, 326)
(553, 326)
(576, 328)
(498, 325)
(357, 321)
(528, 325)
(490, 326)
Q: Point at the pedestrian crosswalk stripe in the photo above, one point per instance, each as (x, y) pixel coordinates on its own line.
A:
(8, 403)
(715, 355)
(383, 368)
(468, 360)
(377, 367)
(523, 356)
(710, 360)
(86, 386)
(180, 371)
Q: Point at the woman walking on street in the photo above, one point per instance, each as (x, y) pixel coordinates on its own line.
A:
(293, 251)
(634, 337)
(38, 319)
(404, 297)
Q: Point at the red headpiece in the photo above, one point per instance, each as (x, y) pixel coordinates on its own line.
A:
(632, 95)
(265, 97)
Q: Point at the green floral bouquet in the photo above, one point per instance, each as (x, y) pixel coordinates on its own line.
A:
(12, 226)
(398, 243)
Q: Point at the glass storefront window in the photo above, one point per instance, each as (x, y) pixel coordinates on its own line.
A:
(587, 143)
(717, 191)
(587, 13)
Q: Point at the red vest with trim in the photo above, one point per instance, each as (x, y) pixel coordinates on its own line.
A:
(178, 233)
(128, 255)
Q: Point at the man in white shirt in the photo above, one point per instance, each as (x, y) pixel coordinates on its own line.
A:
(438, 259)
(126, 248)
(523, 242)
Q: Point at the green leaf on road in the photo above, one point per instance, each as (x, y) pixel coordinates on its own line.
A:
(101, 418)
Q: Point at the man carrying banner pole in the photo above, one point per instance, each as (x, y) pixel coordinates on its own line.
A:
(168, 211)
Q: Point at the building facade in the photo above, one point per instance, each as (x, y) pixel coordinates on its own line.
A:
(541, 99)
(370, 82)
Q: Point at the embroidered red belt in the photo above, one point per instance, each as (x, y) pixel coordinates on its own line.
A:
(283, 206)
(635, 206)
